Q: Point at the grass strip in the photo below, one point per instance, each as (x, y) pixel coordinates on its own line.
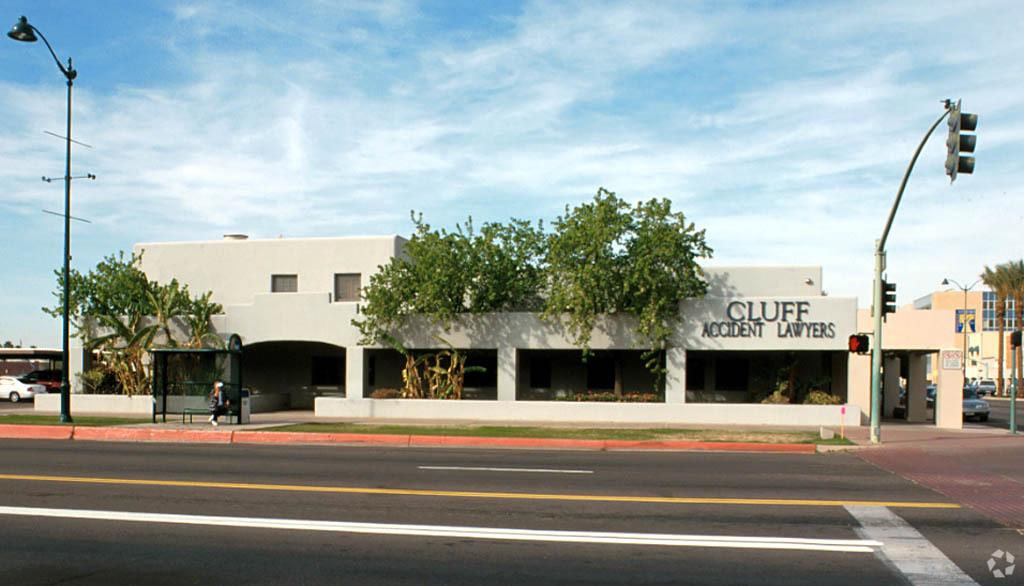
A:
(643, 434)
(15, 419)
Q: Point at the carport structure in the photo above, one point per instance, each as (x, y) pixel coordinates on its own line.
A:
(914, 343)
(18, 361)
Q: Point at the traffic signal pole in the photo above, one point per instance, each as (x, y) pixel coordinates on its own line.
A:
(877, 301)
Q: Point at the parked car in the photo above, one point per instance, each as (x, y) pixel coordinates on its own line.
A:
(986, 387)
(48, 378)
(15, 390)
(974, 406)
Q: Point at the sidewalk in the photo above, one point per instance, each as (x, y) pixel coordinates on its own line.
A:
(982, 468)
(256, 431)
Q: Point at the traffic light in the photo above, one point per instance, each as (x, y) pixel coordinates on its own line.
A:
(888, 298)
(960, 122)
(859, 343)
(1015, 339)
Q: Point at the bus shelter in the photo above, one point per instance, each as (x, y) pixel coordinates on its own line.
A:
(183, 378)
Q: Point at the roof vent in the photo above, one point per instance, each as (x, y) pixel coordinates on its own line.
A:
(236, 237)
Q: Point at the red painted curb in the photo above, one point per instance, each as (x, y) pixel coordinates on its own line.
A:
(9, 431)
(150, 435)
(506, 442)
(282, 437)
(710, 446)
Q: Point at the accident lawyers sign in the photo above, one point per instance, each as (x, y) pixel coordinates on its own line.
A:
(802, 323)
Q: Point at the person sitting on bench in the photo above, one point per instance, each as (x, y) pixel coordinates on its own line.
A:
(218, 402)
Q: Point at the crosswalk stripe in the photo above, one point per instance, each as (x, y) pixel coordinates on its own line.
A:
(915, 557)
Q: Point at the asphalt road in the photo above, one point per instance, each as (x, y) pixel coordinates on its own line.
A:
(71, 514)
(999, 415)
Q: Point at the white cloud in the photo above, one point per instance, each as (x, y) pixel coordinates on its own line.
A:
(784, 132)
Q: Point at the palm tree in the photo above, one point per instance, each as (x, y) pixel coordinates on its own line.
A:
(998, 281)
(1015, 276)
(167, 302)
(122, 343)
(199, 317)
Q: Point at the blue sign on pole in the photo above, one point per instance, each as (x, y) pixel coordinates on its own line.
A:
(963, 321)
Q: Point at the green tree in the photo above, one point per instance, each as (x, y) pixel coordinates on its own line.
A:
(998, 280)
(603, 257)
(119, 312)
(166, 303)
(607, 258)
(199, 316)
(443, 275)
(115, 287)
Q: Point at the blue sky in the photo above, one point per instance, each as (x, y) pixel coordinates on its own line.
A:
(782, 128)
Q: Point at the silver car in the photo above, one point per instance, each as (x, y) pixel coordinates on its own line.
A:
(974, 406)
(986, 387)
(14, 389)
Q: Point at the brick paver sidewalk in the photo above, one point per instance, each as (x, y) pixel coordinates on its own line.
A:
(983, 469)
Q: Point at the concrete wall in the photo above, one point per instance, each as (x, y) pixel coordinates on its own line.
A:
(235, 270)
(119, 404)
(571, 412)
(765, 281)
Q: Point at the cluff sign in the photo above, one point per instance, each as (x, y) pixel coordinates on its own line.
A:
(747, 319)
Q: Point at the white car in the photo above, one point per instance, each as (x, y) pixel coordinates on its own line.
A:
(15, 390)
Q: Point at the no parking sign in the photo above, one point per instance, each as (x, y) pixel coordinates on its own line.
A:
(952, 359)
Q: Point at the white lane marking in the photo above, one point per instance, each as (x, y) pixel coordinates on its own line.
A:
(486, 469)
(921, 563)
(725, 541)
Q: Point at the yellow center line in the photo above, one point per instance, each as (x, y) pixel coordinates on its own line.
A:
(486, 495)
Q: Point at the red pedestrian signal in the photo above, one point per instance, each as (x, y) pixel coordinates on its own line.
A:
(859, 343)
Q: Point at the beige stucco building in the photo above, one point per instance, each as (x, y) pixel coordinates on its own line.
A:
(292, 302)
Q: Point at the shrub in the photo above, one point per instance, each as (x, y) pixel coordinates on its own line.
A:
(822, 398)
(99, 382)
(386, 394)
(776, 398)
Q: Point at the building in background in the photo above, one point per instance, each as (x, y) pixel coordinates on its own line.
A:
(982, 349)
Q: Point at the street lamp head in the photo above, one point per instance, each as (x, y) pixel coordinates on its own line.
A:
(945, 281)
(23, 31)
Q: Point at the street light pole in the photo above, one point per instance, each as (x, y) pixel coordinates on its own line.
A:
(948, 281)
(25, 32)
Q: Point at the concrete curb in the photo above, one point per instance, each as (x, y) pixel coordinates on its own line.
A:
(35, 431)
(151, 435)
(271, 437)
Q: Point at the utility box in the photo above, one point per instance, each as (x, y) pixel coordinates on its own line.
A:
(244, 407)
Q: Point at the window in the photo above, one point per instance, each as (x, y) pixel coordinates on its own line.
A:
(988, 313)
(284, 283)
(346, 286)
